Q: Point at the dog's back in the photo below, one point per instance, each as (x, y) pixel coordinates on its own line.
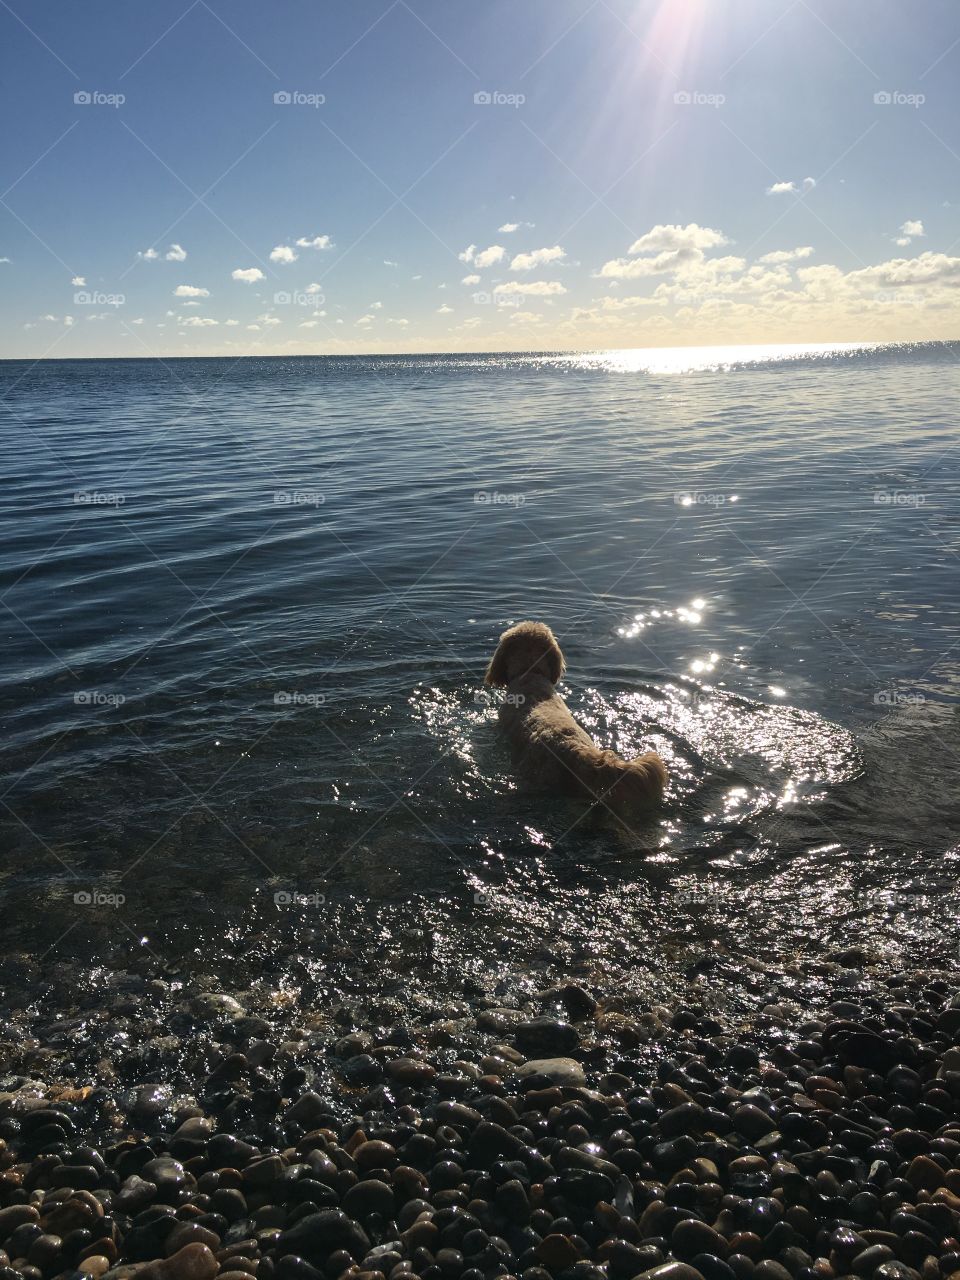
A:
(549, 748)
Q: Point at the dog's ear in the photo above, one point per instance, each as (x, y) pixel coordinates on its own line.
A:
(554, 661)
(497, 670)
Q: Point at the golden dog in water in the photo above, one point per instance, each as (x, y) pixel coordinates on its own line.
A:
(549, 747)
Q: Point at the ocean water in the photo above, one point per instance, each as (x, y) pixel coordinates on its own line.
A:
(247, 605)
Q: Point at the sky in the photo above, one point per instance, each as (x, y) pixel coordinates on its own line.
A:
(219, 177)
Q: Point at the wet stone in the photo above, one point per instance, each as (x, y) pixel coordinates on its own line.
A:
(546, 1037)
(560, 1071)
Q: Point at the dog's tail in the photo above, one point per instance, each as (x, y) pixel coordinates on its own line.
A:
(638, 784)
(653, 774)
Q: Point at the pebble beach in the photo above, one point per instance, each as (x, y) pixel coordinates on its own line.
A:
(567, 1137)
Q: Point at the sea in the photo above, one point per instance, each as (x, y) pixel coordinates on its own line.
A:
(246, 606)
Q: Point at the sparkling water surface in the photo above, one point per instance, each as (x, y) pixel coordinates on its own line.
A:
(247, 605)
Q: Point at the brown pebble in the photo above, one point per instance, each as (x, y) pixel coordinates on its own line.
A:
(190, 1233)
(557, 1252)
(672, 1271)
(422, 1235)
(924, 1174)
(95, 1265)
(410, 1071)
(375, 1155)
(192, 1262)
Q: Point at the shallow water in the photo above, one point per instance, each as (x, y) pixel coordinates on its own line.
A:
(247, 606)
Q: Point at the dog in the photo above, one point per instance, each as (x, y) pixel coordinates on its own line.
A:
(549, 748)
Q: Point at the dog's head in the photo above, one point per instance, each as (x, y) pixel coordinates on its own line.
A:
(529, 648)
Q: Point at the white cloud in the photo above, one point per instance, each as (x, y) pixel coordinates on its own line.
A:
(317, 242)
(282, 253)
(640, 268)
(139, 320)
(444, 310)
(254, 327)
(78, 281)
(809, 184)
(630, 303)
(470, 280)
(671, 237)
(313, 287)
(269, 320)
(231, 324)
(198, 322)
(308, 324)
(69, 321)
(249, 275)
(781, 189)
(778, 256)
(667, 248)
(910, 229)
(400, 321)
(376, 306)
(148, 255)
(190, 291)
(483, 258)
(535, 289)
(525, 317)
(176, 253)
(537, 258)
(489, 257)
(365, 321)
(387, 263)
(4, 259)
(509, 227)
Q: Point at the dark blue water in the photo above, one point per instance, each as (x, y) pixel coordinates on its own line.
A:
(247, 605)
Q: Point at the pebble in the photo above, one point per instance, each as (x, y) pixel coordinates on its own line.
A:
(562, 1071)
(546, 1037)
(816, 1156)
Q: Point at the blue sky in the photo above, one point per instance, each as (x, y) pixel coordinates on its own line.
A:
(631, 174)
